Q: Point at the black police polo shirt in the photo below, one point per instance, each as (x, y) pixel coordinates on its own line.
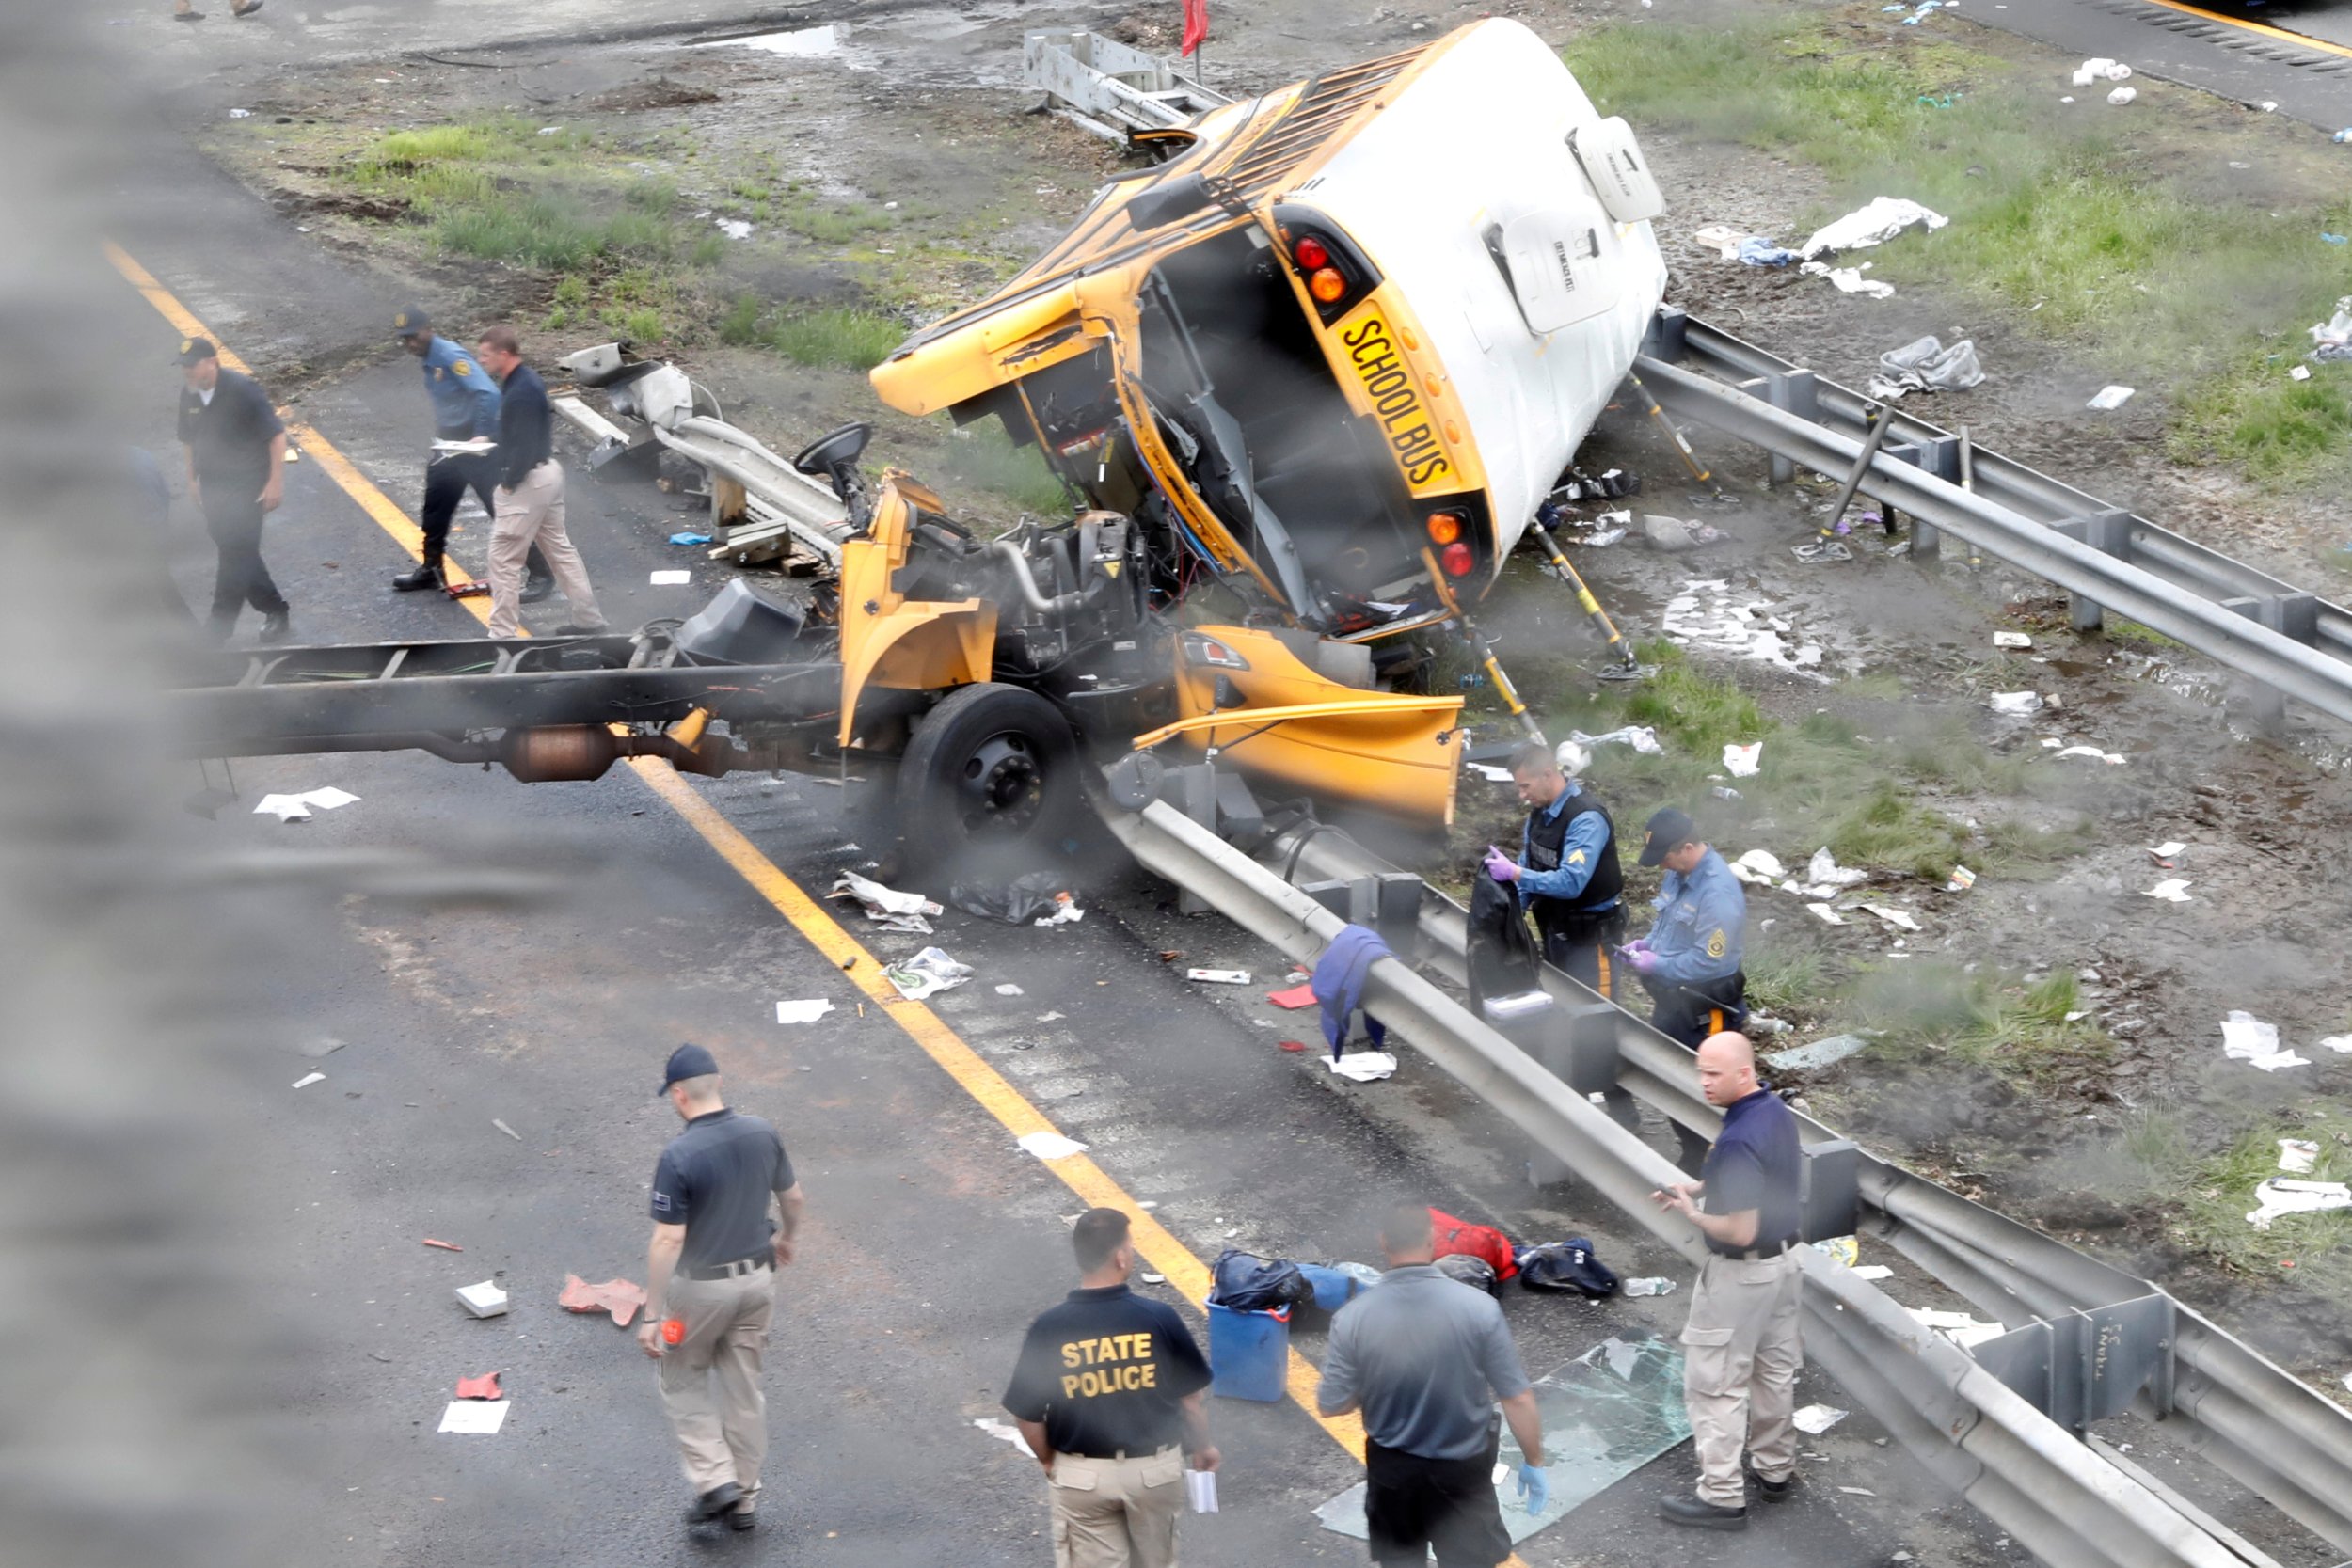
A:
(1754, 1165)
(230, 436)
(714, 1178)
(1107, 1371)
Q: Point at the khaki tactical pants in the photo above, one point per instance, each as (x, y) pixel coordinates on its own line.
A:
(1117, 1512)
(532, 512)
(711, 1378)
(1740, 1351)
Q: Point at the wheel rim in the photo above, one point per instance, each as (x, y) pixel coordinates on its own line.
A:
(1000, 790)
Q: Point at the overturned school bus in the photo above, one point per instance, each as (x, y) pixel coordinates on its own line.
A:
(1326, 358)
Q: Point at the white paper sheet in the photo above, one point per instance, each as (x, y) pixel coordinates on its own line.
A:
(1201, 1490)
(1816, 1419)
(483, 1416)
(804, 1012)
(1051, 1146)
(1364, 1067)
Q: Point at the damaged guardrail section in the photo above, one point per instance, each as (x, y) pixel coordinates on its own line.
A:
(2028, 1473)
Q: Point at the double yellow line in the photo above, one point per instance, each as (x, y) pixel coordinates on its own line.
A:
(1186, 1271)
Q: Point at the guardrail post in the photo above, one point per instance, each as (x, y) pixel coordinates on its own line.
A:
(1940, 456)
(1192, 789)
(2292, 615)
(1791, 392)
(2108, 532)
(1830, 1191)
(1665, 338)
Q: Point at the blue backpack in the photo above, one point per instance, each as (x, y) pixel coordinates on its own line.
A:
(1568, 1265)
(1248, 1283)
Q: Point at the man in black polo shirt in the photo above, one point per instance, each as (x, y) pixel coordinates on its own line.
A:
(237, 472)
(710, 1272)
(1741, 1348)
(1107, 1386)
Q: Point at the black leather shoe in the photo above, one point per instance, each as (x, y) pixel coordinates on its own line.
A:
(537, 589)
(1701, 1516)
(1774, 1491)
(275, 627)
(718, 1501)
(426, 576)
(743, 1518)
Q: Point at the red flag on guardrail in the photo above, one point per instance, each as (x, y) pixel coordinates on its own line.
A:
(1196, 25)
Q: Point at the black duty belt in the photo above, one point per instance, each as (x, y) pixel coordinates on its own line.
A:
(1125, 1453)
(730, 1271)
(1770, 1249)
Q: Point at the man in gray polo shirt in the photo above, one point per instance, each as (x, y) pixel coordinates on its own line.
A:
(1426, 1358)
(710, 1284)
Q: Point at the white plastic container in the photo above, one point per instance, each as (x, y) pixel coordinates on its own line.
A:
(485, 1300)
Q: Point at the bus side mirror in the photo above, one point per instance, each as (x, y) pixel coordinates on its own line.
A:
(1165, 202)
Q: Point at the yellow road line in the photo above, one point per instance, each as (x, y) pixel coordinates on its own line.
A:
(372, 501)
(2298, 40)
(984, 1084)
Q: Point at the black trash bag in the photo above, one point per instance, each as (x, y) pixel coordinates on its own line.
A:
(1502, 953)
(1016, 903)
(1248, 1283)
(1471, 1270)
(1568, 1265)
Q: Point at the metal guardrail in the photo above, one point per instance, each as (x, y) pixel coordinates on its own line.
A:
(2274, 1434)
(2057, 1495)
(2293, 643)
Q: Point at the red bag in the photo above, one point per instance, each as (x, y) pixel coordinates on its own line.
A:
(1476, 1240)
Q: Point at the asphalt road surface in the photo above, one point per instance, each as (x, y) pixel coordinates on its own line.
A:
(2295, 54)
(465, 949)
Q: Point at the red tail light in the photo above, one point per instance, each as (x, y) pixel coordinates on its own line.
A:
(1456, 559)
(1311, 254)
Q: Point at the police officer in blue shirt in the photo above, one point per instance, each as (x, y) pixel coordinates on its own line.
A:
(1567, 874)
(465, 408)
(1690, 961)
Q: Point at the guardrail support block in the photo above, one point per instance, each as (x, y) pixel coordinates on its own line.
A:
(1831, 1195)
(1791, 392)
(2291, 615)
(1664, 340)
(2088, 1366)
(2109, 533)
(1940, 456)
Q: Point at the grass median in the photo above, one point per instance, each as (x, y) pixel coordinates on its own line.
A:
(2087, 223)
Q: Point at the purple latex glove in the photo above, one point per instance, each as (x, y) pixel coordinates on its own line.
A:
(1501, 866)
(1641, 958)
(1639, 945)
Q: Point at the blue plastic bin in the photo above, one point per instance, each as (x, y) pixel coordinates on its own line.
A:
(1333, 1289)
(1249, 1353)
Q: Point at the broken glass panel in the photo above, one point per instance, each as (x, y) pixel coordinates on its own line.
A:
(1606, 1414)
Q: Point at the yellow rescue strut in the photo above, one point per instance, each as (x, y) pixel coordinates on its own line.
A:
(1478, 646)
(1608, 628)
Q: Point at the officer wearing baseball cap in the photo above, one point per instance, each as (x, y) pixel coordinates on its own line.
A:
(465, 408)
(1690, 961)
(237, 473)
(710, 1271)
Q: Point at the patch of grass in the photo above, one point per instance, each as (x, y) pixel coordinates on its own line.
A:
(2050, 215)
(1988, 1019)
(835, 224)
(985, 458)
(1782, 982)
(741, 326)
(2218, 1195)
(708, 251)
(842, 337)
(1885, 828)
(546, 232)
(2118, 629)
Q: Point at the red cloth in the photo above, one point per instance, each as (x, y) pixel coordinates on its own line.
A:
(1477, 1241)
(1297, 996)
(482, 1387)
(616, 1296)
(1196, 25)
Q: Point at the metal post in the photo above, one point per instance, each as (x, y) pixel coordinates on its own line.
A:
(1792, 392)
(2108, 532)
(2295, 615)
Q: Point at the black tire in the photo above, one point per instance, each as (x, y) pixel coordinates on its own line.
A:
(990, 781)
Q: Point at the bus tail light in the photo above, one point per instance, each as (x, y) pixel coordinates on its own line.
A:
(1327, 286)
(1313, 255)
(1330, 267)
(1445, 528)
(1457, 560)
(1201, 648)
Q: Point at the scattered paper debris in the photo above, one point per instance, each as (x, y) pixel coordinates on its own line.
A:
(2113, 759)
(445, 1247)
(1050, 1018)
(2172, 889)
(2012, 640)
(1874, 223)
(1822, 1053)
(297, 808)
(1641, 737)
(1823, 868)
(1963, 879)
(2111, 397)
(1295, 998)
(1051, 1146)
(1741, 761)
(1958, 1327)
(1849, 280)
(2340, 1044)
(1873, 1270)
(1857, 1491)
(1652, 1285)
(1894, 917)
(1066, 912)
(1492, 775)
(1009, 989)
(308, 1079)
(672, 578)
(2165, 852)
(2277, 1195)
(482, 1387)
(1003, 1432)
(2016, 703)
(2249, 1040)
(508, 1131)
(1219, 976)
(1201, 1491)
(1826, 915)
(1364, 1067)
(885, 907)
(1814, 1419)
(2296, 1156)
(480, 1418)
(926, 973)
(1759, 866)
(485, 1300)
(618, 1297)
(808, 1012)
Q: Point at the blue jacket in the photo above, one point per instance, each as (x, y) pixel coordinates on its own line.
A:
(1338, 983)
(465, 399)
(1701, 920)
(1580, 852)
